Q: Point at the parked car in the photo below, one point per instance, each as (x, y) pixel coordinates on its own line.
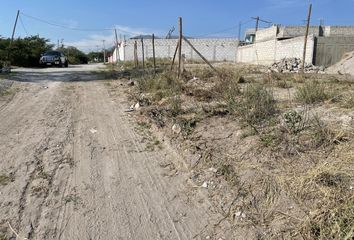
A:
(53, 58)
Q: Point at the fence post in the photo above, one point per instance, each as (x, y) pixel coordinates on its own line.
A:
(174, 56)
(136, 60)
(153, 51)
(143, 54)
(306, 36)
(180, 46)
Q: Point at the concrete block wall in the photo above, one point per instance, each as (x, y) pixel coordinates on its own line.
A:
(266, 34)
(293, 48)
(336, 31)
(270, 51)
(296, 31)
(211, 49)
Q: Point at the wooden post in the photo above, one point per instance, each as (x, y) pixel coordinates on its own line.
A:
(306, 36)
(153, 51)
(174, 56)
(117, 46)
(142, 53)
(13, 35)
(200, 55)
(180, 46)
(136, 60)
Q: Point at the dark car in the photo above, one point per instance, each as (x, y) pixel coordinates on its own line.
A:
(53, 58)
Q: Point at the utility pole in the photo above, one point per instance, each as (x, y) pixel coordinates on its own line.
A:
(104, 52)
(58, 46)
(259, 20)
(306, 36)
(239, 30)
(13, 35)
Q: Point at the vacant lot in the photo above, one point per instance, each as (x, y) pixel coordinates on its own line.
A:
(273, 151)
(74, 165)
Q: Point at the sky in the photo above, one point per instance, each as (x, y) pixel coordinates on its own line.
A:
(85, 23)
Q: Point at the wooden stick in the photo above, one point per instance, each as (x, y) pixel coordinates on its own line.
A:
(143, 54)
(174, 56)
(306, 36)
(153, 51)
(200, 55)
(180, 46)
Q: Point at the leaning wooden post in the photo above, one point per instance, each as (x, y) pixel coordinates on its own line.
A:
(306, 36)
(142, 53)
(174, 56)
(180, 46)
(200, 55)
(153, 51)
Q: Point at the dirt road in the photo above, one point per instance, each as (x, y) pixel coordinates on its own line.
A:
(74, 167)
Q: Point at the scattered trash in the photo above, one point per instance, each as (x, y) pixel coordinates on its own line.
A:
(240, 214)
(137, 106)
(93, 131)
(205, 185)
(214, 170)
(176, 128)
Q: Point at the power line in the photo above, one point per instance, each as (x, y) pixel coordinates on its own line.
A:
(224, 30)
(76, 29)
(23, 26)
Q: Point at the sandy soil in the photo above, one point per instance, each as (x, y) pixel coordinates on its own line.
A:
(72, 166)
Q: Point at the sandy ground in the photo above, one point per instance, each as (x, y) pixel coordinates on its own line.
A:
(78, 169)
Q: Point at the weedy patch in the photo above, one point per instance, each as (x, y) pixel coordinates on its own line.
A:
(257, 104)
(311, 92)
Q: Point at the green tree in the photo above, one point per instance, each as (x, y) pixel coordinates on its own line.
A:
(74, 55)
(24, 52)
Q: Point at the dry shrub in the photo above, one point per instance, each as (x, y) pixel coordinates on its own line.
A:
(162, 85)
(311, 92)
(256, 104)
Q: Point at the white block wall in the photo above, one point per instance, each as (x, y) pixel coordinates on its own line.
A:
(270, 51)
(211, 49)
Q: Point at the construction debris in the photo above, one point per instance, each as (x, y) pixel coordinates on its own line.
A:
(293, 65)
(344, 66)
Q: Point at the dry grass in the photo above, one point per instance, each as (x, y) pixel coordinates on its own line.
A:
(296, 179)
(257, 104)
(311, 92)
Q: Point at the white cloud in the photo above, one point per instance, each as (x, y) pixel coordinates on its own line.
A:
(94, 42)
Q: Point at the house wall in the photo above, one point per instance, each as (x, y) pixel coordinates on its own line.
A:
(330, 50)
(211, 49)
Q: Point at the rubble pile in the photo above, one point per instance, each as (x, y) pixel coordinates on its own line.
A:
(293, 65)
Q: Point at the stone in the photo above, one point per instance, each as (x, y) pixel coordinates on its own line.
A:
(176, 128)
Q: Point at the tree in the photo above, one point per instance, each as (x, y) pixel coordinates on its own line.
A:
(24, 52)
(75, 56)
(95, 56)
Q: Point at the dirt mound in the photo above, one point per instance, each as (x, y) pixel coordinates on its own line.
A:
(344, 66)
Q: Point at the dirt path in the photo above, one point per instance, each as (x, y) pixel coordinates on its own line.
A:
(73, 167)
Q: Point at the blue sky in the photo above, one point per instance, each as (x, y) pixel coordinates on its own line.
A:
(200, 17)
